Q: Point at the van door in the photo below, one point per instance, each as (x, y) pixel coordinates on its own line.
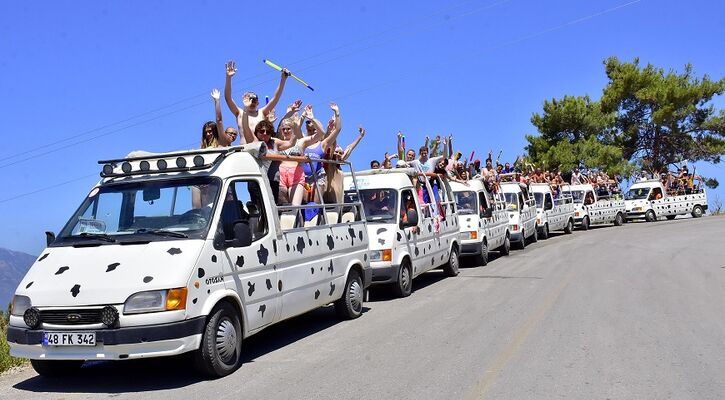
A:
(253, 266)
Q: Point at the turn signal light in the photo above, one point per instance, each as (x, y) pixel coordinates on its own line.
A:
(515, 227)
(388, 255)
(176, 299)
(473, 235)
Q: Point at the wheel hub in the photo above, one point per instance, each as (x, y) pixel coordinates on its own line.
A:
(226, 340)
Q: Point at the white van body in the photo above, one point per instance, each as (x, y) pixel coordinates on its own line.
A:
(521, 210)
(138, 242)
(482, 220)
(649, 200)
(590, 209)
(400, 253)
(552, 214)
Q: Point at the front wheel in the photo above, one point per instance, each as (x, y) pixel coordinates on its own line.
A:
(585, 223)
(618, 220)
(404, 286)
(349, 306)
(535, 236)
(221, 342)
(697, 211)
(545, 232)
(569, 227)
(650, 216)
(483, 258)
(522, 243)
(505, 248)
(451, 268)
(56, 368)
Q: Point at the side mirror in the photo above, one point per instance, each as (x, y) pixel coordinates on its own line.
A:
(487, 213)
(151, 194)
(49, 238)
(218, 241)
(412, 219)
(242, 234)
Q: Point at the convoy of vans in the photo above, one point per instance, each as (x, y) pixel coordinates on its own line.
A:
(649, 200)
(187, 252)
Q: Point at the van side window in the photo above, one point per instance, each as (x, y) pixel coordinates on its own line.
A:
(482, 203)
(548, 203)
(407, 202)
(244, 203)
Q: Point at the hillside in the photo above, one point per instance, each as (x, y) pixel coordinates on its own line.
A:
(13, 266)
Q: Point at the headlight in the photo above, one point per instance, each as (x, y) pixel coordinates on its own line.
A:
(381, 255)
(156, 300)
(20, 304)
(636, 208)
(576, 214)
(473, 235)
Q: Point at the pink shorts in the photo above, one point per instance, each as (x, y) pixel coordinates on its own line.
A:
(290, 176)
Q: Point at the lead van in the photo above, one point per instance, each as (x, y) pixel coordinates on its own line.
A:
(183, 252)
(521, 209)
(649, 200)
(482, 221)
(410, 233)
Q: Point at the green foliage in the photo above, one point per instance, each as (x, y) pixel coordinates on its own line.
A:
(6, 361)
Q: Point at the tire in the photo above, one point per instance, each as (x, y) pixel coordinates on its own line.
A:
(650, 216)
(505, 248)
(670, 217)
(404, 286)
(618, 220)
(522, 243)
(220, 359)
(350, 305)
(535, 236)
(56, 368)
(451, 267)
(483, 258)
(569, 227)
(585, 223)
(545, 232)
(697, 211)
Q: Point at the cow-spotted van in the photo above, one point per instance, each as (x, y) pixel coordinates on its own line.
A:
(412, 224)
(184, 252)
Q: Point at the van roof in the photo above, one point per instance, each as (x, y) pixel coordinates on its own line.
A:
(475, 185)
(396, 179)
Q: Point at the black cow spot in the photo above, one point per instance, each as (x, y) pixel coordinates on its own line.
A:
(408, 235)
(399, 236)
(29, 285)
(417, 252)
(43, 257)
(309, 241)
(250, 288)
(269, 284)
(430, 228)
(360, 235)
(213, 258)
(381, 230)
(208, 291)
(174, 250)
(317, 294)
(287, 247)
(312, 270)
(332, 288)
(75, 290)
(148, 279)
(381, 241)
(300, 244)
(240, 261)
(365, 256)
(279, 285)
(61, 270)
(195, 300)
(274, 246)
(262, 253)
(331, 268)
(262, 309)
(330, 242)
(317, 242)
(429, 247)
(111, 267)
(201, 273)
(442, 256)
(432, 261)
(351, 232)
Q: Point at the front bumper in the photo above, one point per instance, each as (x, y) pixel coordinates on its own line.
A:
(635, 214)
(113, 344)
(471, 249)
(384, 274)
(515, 237)
(367, 277)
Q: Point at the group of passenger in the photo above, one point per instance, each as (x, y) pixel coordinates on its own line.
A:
(681, 181)
(291, 179)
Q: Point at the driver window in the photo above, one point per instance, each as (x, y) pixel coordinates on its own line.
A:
(548, 203)
(244, 203)
(407, 202)
(482, 203)
(656, 194)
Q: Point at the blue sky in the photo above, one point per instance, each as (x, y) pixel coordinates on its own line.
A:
(82, 81)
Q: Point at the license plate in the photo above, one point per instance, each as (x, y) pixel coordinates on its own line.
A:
(69, 338)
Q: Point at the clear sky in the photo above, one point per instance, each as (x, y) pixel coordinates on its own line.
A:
(82, 81)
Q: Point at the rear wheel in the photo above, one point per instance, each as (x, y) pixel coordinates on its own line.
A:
(618, 220)
(569, 227)
(545, 232)
(522, 243)
(451, 268)
(349, 306)
(697, 211)
(585, 223)
(55, 368)
(650, 216)
(404, 286)
(671, 217)
(505, 248)
(221, 342)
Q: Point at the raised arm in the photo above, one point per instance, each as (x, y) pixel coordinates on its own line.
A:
(291, 110)
(434, 146)
(248, 134)
(401, 150)
(450, 147)
(277, 93)
(446, 146)
(351, 146)
(218, 111)
(231, 68)
(331, 139)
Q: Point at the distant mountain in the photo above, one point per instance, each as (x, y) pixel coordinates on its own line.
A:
(13, 266)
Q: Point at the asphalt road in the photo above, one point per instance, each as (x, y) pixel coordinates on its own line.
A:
(634, 312)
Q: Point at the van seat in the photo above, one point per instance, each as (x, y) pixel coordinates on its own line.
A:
(348, 217)
(287, 221)
(312, 222)
(332, 217)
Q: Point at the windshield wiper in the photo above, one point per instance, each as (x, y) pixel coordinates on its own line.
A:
(99, 236)
(162, 232)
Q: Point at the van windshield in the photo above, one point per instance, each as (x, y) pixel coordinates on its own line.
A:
(578, 196)
(381, 205)
(466, 202)
(637, 193)
(512, 201)
(146, 211)
(539, 198)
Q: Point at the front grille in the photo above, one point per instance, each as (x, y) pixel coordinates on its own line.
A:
(61, 317)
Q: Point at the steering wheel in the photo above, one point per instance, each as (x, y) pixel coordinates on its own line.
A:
(195, 216)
